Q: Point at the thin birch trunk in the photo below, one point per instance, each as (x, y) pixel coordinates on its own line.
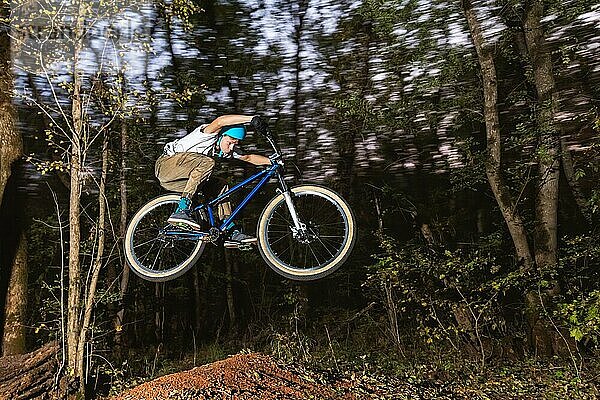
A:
(74, 290)
(124, 283)
(198, 304)
(101, 238)
(159, 313)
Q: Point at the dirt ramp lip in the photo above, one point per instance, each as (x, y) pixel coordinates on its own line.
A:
(242, 376)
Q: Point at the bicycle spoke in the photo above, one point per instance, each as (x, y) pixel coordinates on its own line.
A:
(181, 252)
(305, 256)
(157, 254)
(273, 224)
(151, 228)
(285, 218)
(146, 242)
(330, 253)
(286, 249)
(284, 236)
(149, 251)
(315, 255)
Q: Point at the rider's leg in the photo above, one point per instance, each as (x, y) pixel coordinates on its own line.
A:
(184, 172)
(215, 187)
(224, 209)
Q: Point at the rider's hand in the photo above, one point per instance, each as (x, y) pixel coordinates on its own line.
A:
(259, 124)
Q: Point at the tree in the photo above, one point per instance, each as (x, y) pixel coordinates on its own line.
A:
(546, 241)
(493, 167)
(77, 120)
(12, 146)
(544, 256)
(353, 109)
(299, 25)
(14, 260)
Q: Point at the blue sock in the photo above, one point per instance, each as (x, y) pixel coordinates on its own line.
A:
(184, 204)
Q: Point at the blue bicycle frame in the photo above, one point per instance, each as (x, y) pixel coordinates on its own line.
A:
(264, 177)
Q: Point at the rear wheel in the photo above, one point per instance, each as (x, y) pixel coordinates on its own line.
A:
(156, 250)
(321, 248)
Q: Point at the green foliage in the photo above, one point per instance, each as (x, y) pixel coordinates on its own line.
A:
(426, 288)
(472, 176)
(353, 107)
(583, 316)
(594, 201)
(579, 309)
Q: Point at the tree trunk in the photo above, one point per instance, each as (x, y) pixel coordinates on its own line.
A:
(91, 293)
(546, 341)
(350, 127)
(13, 341)
(74, 244)
(122, 228)
(198, 303)
(546, 242)
(569, 173)
(229, 293)
(298, 29)
(77, 141)
(31, 375)
(11, 145)
(493, 165)
(11, 149)
(159, 313)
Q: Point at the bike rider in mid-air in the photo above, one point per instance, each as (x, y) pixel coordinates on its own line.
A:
(188, 162)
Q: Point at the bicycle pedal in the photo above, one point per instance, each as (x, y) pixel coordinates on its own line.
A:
(237, 245)
(187, 228)
(245, 247)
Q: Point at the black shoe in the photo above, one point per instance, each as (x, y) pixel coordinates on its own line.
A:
(184, 220)
(236, 238)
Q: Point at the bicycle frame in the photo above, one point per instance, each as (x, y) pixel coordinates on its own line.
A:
(263, 177)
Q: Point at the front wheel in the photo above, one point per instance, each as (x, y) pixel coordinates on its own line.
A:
(320, 248)
(156, 250)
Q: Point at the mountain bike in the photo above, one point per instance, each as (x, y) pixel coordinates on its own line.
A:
(304, 233)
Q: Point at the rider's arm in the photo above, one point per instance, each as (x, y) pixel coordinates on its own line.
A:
(255, 159)
(226, 120)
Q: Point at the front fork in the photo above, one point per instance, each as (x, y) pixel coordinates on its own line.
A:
(299, 228)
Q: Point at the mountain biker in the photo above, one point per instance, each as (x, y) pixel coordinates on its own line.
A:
(188, 162)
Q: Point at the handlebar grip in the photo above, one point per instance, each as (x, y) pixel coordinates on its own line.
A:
(260, 125)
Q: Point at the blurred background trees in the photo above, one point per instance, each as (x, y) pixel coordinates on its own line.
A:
(465, 135)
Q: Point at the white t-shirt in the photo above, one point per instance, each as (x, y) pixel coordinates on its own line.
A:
(201, 142)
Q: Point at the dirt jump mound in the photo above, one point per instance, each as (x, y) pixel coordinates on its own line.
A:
(243, 376)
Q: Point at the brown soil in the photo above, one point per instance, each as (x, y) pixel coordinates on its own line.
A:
(243, 376)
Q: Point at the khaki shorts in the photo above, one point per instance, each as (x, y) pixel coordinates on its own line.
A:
(184, 172)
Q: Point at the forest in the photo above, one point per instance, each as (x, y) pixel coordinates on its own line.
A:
(464, 136)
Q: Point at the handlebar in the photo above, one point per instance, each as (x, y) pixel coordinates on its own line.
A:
(277, 155)
(261, 127)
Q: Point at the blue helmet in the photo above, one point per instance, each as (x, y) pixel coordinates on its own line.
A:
(235, 131)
